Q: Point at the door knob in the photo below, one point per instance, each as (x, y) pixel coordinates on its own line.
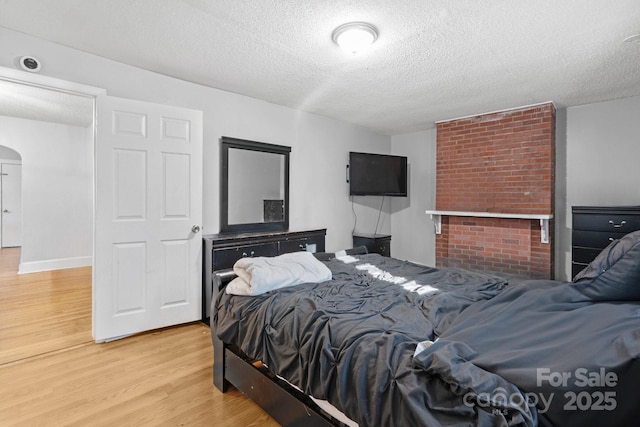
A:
(6, 211)
(195, 228)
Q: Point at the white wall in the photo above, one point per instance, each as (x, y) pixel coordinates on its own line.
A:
(319, 193)
(598, 152)
(323, 163)
(413, 237)
(57, 216)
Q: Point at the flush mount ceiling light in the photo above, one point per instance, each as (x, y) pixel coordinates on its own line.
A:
(354, 36)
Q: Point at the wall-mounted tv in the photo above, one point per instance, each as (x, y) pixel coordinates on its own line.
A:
(377, 175)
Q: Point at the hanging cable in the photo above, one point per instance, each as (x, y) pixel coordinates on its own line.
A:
(355, 217)
(379, 212)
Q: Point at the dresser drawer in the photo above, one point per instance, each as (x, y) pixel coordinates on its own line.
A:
(584, 255)
(383, 246)
(300, 244)
(577, 267)
(225, 258)
(594, 239)
(617, 223)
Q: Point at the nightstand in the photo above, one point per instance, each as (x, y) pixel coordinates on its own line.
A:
(375, 243)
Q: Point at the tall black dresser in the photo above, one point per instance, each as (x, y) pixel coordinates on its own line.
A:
(594, 227)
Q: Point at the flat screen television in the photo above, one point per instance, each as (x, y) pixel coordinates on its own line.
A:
(377, 175)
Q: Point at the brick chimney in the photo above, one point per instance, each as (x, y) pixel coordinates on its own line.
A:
(502, 163)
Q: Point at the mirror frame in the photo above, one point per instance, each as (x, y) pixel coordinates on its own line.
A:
(242, 144)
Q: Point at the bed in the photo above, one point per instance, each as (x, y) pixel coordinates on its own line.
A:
(391, 343)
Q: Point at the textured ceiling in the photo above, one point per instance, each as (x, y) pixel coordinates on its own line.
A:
(433, 60)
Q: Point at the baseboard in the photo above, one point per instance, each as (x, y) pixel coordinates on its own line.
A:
(54, 264)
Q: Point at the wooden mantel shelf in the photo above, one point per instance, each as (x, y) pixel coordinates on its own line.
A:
(544, 219)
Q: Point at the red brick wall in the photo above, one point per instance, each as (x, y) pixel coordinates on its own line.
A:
(501, 162)
(510, 247)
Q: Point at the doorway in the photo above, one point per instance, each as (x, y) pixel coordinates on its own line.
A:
(150, 163)
(56, 180)
(10, 198)
(56, 206)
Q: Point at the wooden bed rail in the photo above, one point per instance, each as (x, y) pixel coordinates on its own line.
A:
(219, 279)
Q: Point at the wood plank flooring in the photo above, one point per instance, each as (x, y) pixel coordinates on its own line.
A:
(42, 312)
(53, 374)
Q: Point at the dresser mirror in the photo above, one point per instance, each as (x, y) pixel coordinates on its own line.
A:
(254, 193)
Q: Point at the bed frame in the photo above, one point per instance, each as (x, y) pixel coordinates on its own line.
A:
(283, 403)
(231, 367)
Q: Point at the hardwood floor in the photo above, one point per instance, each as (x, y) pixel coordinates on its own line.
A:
(53, 374)
(42, 312)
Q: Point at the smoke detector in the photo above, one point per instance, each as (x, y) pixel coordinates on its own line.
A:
(29, 63)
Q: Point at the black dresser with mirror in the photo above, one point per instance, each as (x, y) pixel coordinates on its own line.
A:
(254, 211)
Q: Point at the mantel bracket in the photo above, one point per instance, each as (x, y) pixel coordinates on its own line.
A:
(437, 223)
(544, 230)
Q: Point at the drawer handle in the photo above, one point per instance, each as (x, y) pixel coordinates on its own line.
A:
(244, 254)
(622, 223)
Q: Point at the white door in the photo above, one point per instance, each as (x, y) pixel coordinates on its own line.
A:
(148, 243)
(11, 177)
